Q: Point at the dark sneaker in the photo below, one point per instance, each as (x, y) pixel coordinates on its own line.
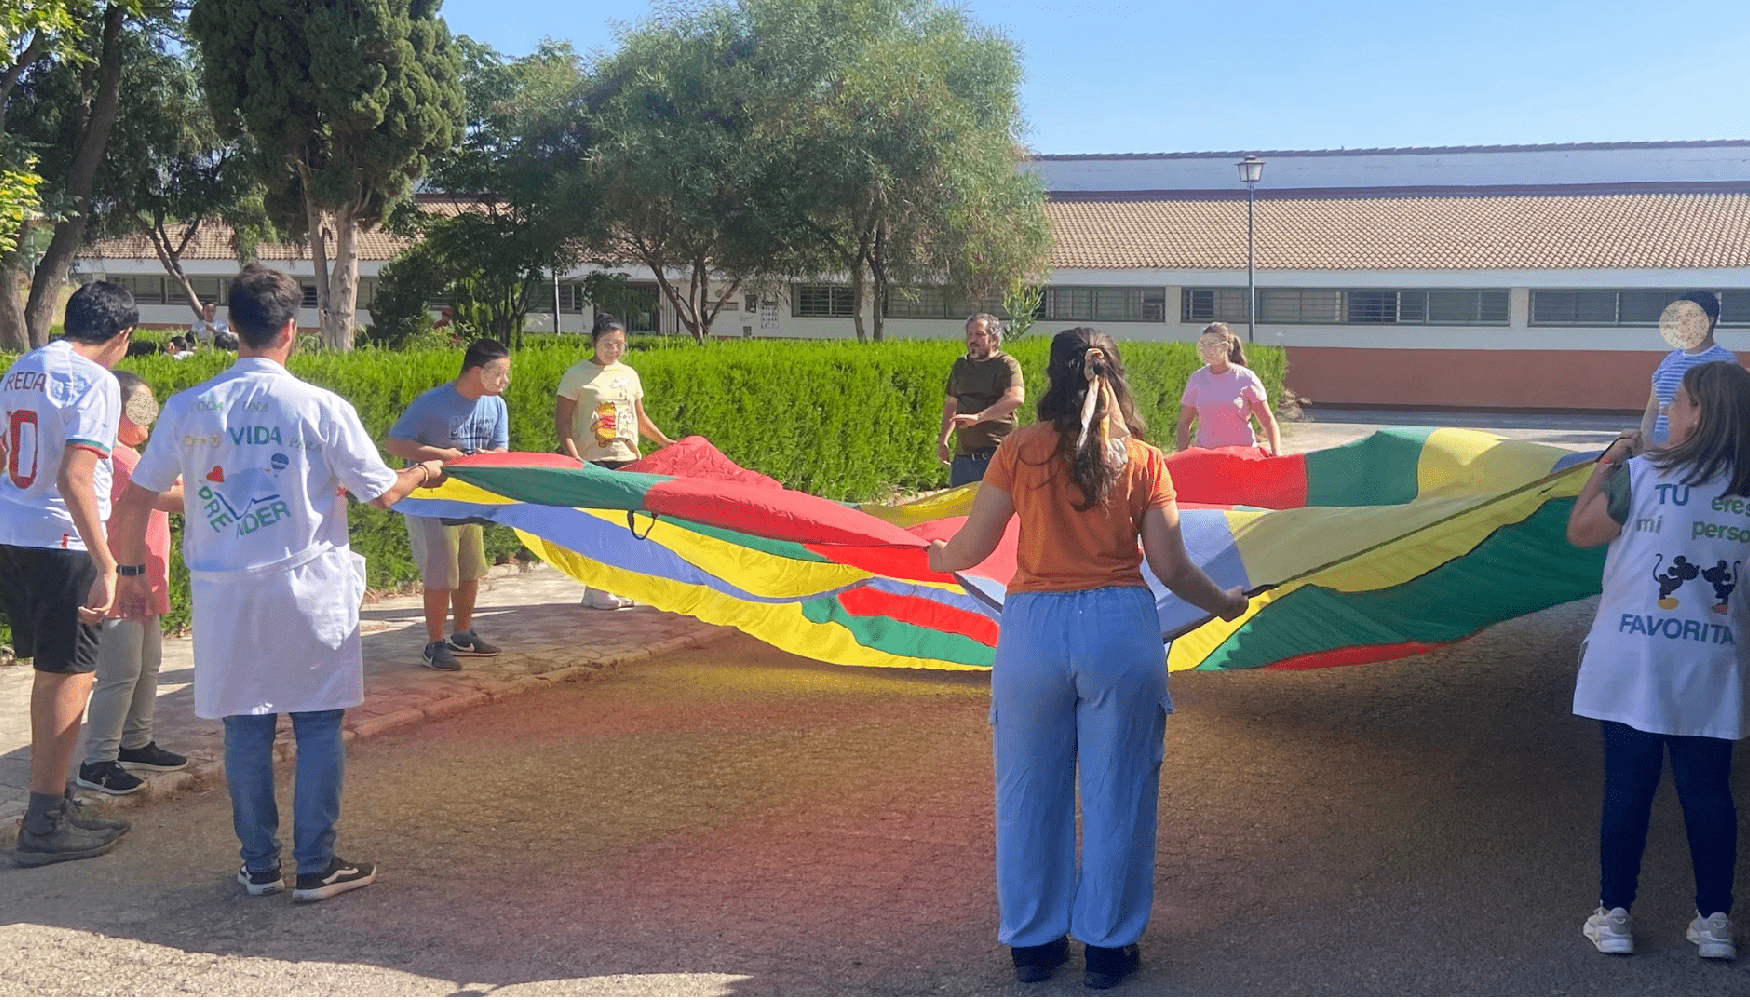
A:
(438, 656)
(87, 818)
(66, 842)
(1107, 967)
(151, 757)
(109, 778)
(469, 644)
(341, 876)
(261, 883)
(1036, 963)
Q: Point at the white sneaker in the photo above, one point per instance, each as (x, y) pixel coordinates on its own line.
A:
(601, 600)
(1611, 931)
(1713, 935)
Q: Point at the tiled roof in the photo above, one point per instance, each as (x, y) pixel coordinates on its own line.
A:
(1373, 232)
(1407, 233)
(1527, 147)
(215, 242)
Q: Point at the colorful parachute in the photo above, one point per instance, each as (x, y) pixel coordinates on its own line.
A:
(1406, 540)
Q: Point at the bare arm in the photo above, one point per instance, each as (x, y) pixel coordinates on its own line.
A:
(413, 451)
(648, 428)
(75, 481)
(170, 501)
(1267, 420)
(427, 473)
(1589, 522)
(1650, 418)
(1164, 547)
(1182, 434)
(945, 454)
(128, 537)
(1003, 408)
(978, 537)
(563, 412)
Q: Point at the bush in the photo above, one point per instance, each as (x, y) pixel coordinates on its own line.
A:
(842, 420)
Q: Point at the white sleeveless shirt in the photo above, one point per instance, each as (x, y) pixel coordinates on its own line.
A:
(1665, 654)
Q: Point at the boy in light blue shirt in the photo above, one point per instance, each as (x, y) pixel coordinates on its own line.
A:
(458, 418)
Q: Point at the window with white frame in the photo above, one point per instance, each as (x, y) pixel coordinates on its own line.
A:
(1103, 303)
(933, 302)
(1366, 306)
(821, 301)
(1624, 306)
(1209, 305)
(147, 289)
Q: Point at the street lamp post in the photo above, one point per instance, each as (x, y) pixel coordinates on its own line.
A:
(1251, 169)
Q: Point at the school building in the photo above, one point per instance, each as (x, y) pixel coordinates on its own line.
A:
(1476, 276)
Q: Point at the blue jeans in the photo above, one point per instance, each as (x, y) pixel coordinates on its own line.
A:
(321, 771)
(1078, 693)
(968, 469)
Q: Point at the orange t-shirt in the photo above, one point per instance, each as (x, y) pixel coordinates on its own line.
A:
(1061, 548)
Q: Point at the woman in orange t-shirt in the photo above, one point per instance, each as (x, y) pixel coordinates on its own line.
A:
(1080, 669)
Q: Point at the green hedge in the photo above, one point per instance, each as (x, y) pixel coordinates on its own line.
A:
(842, 420)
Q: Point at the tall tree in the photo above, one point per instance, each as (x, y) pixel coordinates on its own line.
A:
(506, 230)
(345, 100)
(911, 156)
(672, 166)
(94, 114)
(33, 31)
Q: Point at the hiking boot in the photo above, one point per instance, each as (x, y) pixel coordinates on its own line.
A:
(437, 656)
(110, 778)
(261, 883)
(152, 757)
(1611, 931)
(1036, 963)
(88, 818)
(1107, 967)
(469, 644)
(341, 876)
(1713, 935)
(64, 842)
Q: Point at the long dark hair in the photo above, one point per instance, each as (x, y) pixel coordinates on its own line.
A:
(1061, 406)
(1721, 439)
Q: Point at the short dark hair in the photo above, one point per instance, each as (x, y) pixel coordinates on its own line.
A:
(177, 343)
(129, 382)
(98, 312)
(1708, 301)
(604, 323)
(483, 352)
(261, 301)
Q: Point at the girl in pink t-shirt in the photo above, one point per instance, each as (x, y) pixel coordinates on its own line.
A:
(1224, 396)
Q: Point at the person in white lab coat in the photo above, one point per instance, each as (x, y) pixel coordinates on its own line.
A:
(276, 590)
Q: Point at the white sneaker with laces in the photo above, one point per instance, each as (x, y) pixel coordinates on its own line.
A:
(1611, 931)
(1713, 935)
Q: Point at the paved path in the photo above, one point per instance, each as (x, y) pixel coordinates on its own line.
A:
(547, 635)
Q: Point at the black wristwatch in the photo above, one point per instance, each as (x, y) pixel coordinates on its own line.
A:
(139, 570)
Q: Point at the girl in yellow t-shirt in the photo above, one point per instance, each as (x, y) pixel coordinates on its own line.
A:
(599, 414)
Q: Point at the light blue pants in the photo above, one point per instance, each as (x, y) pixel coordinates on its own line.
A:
(321, 771)
(1080, 678)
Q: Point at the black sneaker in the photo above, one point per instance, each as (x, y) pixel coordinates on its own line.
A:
(1036, 963)
(261, 883)
(109, 778)
(152, 757)
(341, 876)
(1107, 967)
(64, 842)
(437, 656)
(469, 644)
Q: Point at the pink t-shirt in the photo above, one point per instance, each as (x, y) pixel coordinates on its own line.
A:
(1224, 405)
(123, 460)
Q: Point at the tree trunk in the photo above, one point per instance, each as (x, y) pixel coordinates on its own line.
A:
(859, 291)
(170, 254)
(343, 285)
(878, 271)
(51, 271)
(14, 335)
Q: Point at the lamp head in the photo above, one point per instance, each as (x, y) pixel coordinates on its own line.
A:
(1251, 169)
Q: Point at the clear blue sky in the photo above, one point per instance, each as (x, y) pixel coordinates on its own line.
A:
(1174, 76)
